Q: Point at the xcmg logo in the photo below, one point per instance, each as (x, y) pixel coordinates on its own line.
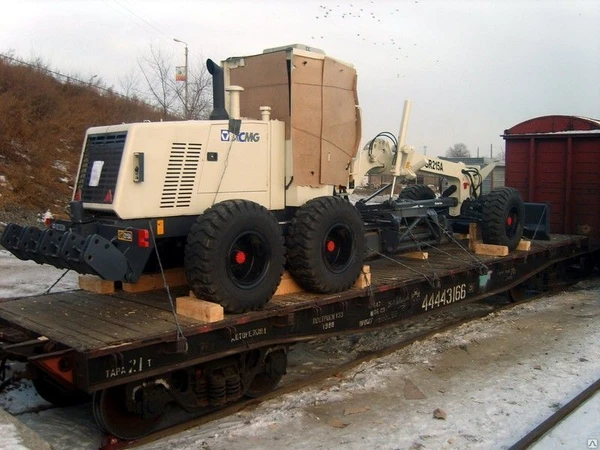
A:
(244, 136)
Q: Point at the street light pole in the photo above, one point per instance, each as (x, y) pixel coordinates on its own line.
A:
(186, 78)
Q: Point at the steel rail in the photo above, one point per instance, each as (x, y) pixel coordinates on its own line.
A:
(547, 425)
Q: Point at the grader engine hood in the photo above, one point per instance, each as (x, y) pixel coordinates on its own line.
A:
(141, 170)
(169, 169)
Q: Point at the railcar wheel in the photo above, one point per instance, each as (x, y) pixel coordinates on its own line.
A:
(265, 381)
(503, 218)
(326, 245)
(416, 192)
(53, 393)
(234, 255)
(112, 415)
(517, 293)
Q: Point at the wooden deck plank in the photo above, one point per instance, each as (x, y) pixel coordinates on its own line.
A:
(135, 321)
(89, 320)
(155, 299)
(109, 326)
(43, 327)
(125, 310)
(53, 312)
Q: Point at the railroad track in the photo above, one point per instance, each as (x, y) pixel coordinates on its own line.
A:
(405, 334)
(536, 434)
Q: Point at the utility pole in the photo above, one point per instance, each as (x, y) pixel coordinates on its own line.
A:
(425, 150)
(185, 98)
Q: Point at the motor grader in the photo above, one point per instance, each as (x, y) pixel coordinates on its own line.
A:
(259, 187)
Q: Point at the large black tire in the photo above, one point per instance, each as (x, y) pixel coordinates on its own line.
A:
(503, 218)
(416, 192)
(326, 245)
(234, 255)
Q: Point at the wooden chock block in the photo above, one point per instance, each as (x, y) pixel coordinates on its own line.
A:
(474, 235)
(363, 280)
(415, 255)
(460, 236)
(524, 246)
(287, 285)
(151, 282)
(96, 284)
(199, 309)
(490, 249)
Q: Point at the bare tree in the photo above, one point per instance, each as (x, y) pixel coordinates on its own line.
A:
(199, 91)
(459, 150)
(156, 72)
(129, 84)
(158, 75)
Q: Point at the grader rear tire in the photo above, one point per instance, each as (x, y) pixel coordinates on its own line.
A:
(234, 255)
(503, 218)
(416, 192)
(326, 245)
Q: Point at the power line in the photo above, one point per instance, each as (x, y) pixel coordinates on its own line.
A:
(108, 3)
(69, 78)
(142, 19)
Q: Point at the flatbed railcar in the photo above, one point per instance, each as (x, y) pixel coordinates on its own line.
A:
(79, 343)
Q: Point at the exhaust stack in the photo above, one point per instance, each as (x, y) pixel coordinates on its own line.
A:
(234, 101)
(219, 112)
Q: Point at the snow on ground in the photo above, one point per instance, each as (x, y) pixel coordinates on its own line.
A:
(24, 278)
(10, 437)
(494, 379)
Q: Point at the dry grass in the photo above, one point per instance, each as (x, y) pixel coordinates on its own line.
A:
(42, 126)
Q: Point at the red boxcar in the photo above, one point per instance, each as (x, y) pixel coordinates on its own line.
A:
(556, 160)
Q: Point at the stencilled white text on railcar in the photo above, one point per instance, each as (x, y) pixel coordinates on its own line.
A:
(443, 297)
(249, 334)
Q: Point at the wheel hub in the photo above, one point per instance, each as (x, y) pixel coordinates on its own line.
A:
(331, 246)
(249, 257)
(240, 257)
(338, 248)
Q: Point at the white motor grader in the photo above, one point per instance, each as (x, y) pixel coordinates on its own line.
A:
(236, 200)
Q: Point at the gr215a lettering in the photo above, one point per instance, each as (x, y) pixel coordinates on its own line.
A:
(444, 297)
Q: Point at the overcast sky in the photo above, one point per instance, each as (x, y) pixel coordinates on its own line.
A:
(471, 68)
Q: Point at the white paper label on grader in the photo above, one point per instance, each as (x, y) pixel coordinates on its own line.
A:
(95, 173)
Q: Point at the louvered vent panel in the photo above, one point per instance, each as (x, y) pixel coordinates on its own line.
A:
(181, 175)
